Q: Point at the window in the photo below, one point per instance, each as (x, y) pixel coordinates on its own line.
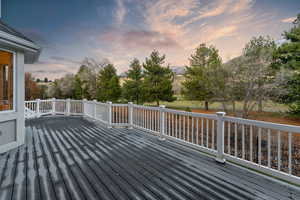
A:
(6, 81)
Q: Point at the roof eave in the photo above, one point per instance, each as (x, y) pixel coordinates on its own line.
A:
(31, 50)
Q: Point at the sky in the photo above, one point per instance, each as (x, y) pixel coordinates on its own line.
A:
(120, 30)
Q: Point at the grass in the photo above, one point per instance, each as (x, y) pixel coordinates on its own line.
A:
(272, 112)
(183, 104)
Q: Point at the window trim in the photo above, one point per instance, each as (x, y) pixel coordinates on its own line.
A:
(14, 82)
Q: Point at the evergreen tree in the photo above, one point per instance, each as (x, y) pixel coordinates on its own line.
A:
(133, 87)
(78, 88)
(287, 56)
(199, 76)
(108, 84)
(157, 79)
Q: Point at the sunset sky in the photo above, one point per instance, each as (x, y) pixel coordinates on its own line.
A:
(119, 30)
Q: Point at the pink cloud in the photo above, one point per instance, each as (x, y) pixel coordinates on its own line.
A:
(140, 39)
(288, 20)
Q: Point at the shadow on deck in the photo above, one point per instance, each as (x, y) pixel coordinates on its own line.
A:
(74, 158)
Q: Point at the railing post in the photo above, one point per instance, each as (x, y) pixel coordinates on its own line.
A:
(95, 109)
(109, 104)
(38, 108)
(53, 106)
(130, 114)
(220, 137)
(68, 107)
(84, 106)
(162, 122)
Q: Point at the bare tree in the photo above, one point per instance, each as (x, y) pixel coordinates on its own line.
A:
(250, 78)
(88, 75)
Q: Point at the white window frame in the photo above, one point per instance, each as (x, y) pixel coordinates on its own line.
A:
(14, 82)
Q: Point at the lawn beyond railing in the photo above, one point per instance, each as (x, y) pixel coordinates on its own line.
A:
(266, 147)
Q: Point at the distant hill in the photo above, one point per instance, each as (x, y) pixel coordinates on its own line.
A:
(178, 70)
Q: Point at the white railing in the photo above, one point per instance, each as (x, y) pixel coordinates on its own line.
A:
(267, 147)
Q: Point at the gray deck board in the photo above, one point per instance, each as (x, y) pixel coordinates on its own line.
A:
(75, 158)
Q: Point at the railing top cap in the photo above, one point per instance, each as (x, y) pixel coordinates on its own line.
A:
(221, 113)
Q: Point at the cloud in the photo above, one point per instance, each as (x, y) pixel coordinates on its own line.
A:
(149, 39)
(211, 10)
(37, 37)
(139, 39)
(242, 5)
(288, 20)
(173, 27)
(49, 70)
(177, 27)
(52, 68)
(120, 12)
(63, 59)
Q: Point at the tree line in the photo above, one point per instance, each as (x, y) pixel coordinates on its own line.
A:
(264, 71)
(150, 81)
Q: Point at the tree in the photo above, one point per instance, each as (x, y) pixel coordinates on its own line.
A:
(133, 87)
(54, 90)
(200, 80)
(87, 77)
(67, 86)
(81, 85)
(31, 88)
(251, 77)
(78, 89)
(233, 90)
(85, 83)
(259, 52)
(157, 79)
(108, 85)
(287, 56)
(46, 80)
(43, 91)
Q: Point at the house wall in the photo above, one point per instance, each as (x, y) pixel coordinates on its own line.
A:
(12, 123)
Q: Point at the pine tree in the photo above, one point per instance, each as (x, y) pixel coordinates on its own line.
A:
(108, 84)
(287, 56)
(133, 87)
(157, 79)
(199, 82)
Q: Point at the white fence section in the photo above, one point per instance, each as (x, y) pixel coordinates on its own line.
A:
(267, 147)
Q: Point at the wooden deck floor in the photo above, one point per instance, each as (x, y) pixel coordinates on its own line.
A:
(73, 158)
